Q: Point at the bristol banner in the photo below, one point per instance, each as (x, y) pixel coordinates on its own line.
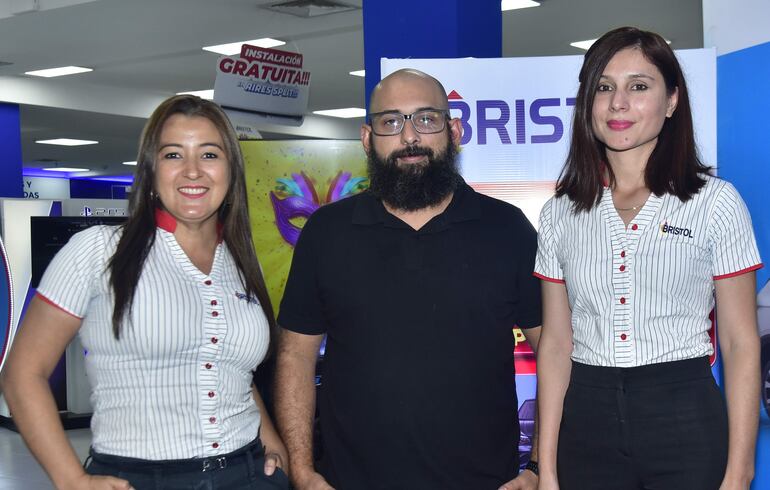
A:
(516, 115)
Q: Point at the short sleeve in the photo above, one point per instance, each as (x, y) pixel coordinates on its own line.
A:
(301, 308)
(73, 276)
(529, 303)
(547, 265)
(731, 236)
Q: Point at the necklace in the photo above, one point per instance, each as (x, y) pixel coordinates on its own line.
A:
(632, 208)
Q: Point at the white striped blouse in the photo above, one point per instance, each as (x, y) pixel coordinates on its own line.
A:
(178, 382)
(642, 294)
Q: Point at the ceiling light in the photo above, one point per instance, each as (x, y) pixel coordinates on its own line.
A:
(67, 169)
(346, 113)
(129, 163)
(517, 4)
(58, 72)
(235, 48)
(203, 94)
(66, 142)
(358, 73)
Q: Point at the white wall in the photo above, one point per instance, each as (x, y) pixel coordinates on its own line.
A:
(732, 25)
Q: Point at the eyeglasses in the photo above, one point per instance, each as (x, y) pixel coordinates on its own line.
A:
(424, 121)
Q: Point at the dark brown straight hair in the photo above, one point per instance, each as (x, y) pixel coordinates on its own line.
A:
(673, 167)
(127, 263)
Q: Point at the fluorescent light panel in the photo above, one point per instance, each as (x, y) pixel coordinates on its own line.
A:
(129, 163)
(66, 142)
(235, 48)
(58, 72)
(203, 94)
(517, 4)
(347, 113)
(358, 73)
(67, 169)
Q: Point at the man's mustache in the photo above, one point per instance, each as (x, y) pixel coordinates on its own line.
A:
(412, 151)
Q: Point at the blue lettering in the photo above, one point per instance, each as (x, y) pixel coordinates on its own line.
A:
(537, 118)
(498, 124)
(485, 121)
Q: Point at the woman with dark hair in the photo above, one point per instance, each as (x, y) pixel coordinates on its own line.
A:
(632, 251)
(174, 314)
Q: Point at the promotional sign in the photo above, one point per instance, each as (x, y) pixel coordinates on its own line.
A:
(286, 182)
(269, 83)
(45, 188)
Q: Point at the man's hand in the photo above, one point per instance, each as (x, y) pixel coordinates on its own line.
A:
(311, 481)
(525, 481)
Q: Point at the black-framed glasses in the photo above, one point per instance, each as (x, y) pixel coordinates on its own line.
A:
(424, 121)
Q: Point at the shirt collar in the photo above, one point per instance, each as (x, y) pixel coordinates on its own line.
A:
(166, 221)
(465, 206)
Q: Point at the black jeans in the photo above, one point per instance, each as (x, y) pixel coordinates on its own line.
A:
(242, 469)
(661, 427)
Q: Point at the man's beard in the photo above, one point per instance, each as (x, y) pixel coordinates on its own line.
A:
(411, 187)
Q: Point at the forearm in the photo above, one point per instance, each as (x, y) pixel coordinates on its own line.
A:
(35, 414)
(742, 381)
(295, 411)
(553, 373)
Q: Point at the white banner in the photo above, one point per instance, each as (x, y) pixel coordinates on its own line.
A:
(517, 117)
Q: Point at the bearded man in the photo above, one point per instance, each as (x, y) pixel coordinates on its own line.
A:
(417, 284)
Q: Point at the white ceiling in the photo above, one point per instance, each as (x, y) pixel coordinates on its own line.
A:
(143, 51)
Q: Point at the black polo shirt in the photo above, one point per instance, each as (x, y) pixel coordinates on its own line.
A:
(418, 376)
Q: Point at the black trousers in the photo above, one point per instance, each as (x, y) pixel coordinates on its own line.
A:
(242, 469)
(657, 427)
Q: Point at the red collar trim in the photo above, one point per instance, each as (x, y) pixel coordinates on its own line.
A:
(165, 221)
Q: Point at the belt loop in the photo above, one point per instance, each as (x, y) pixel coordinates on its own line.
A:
(88, 460)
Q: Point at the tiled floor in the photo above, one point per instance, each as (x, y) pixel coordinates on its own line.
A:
(20, 471)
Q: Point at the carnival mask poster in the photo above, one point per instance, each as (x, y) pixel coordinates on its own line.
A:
(286, 182)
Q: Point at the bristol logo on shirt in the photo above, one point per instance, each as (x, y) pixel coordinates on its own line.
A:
(666, 228)
(244, 297)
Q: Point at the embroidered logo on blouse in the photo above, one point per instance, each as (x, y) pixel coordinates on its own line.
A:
(244, 297)
(665, 228)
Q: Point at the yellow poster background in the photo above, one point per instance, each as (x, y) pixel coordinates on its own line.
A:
(288, 169)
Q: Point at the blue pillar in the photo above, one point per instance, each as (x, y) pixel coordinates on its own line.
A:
(429, 29)
(12, 183)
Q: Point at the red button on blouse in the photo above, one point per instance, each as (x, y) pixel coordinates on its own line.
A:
(212, 419)
(207, 282)
(213, 302)
(623, 336)
(215, 445)
(634, 227)
(208, 365)
(214, 313)
(623, 253)
(214, 340)
(622, 301)
(211, 394)
(622, 268)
